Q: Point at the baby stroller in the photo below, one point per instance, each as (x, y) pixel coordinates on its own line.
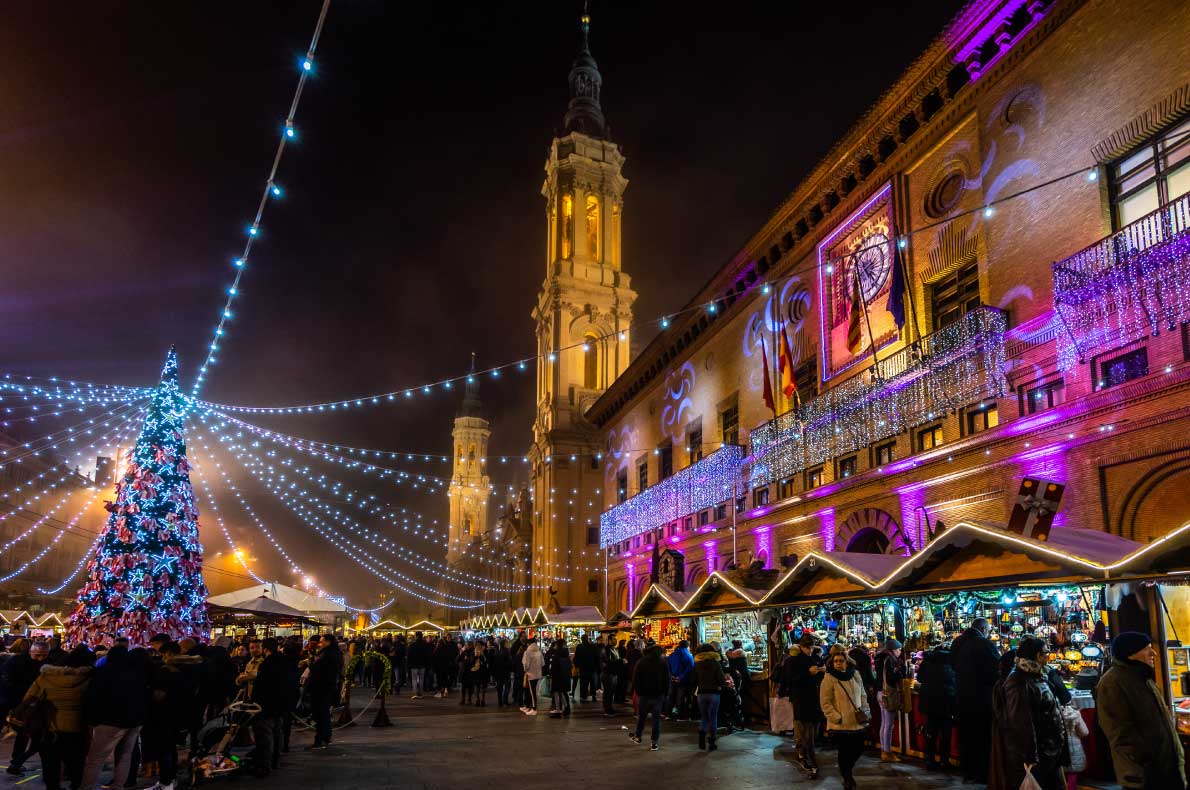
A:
(212, 755)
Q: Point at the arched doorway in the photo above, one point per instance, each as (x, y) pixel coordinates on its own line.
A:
(869, 540)
(872, 531)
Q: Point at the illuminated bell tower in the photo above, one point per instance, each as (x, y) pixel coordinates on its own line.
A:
(470, 489)
(583, 315)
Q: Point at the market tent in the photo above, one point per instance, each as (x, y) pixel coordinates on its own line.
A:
(831, 575)
(387, 625)
(425, 625)
(262, 604)
(574, 615)
(661, 600)
(322, 609)
(730, 590)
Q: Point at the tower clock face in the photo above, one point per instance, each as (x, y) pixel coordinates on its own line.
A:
(872, 265)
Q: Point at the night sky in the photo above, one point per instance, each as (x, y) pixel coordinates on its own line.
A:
(135, 140)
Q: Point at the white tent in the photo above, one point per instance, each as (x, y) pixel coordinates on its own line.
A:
(322, 609)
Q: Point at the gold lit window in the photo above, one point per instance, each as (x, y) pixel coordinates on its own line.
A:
(593, 227)
(567, 226)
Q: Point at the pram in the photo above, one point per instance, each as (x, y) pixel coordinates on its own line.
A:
(212, 755)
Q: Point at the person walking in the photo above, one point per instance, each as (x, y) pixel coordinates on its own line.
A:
(169, 693)
(801, 676)
(481, 673)
(501, 668)
(115, 706)
(534, 663)
(1145, 748)
(463, 672)
(17, 675)
(419, 661)
(844, 703)
(681, 664)
(976, 667)
(650, 679)
(891, 671)
(518, 670)
(1027, 724)
(937, 699)
(65, 688)
(710, 682)
(586, 660)
(559, 669)
(324, 686)
(270, 693)
(613, 665)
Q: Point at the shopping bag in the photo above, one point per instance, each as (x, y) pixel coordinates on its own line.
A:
(780, 714)
(1029, 783)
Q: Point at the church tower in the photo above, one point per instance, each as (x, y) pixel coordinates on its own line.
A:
(470, 489)
(583, 317)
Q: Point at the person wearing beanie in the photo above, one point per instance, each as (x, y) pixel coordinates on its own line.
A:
(1027, 724)
(890, 671)
(801, 677)
(975, 660)
(1145, 748)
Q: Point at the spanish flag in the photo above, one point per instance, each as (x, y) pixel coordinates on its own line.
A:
(768, 382)
(855, 336)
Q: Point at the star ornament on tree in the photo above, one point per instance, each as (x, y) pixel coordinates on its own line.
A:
(163, 562)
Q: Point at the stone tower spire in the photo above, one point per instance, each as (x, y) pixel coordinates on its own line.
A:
(470, 489)
(584, 113)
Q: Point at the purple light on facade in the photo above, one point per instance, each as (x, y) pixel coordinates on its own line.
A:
(826, 528)
(764, 545)
(711, 553)
(1046, 463)
(824, 490)
(912, 498)
(674, 538)
(843, 226)
(630, 569)
(758, 512)
(901, 466)
(706, 529)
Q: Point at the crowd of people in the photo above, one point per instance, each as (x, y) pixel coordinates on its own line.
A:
(1012, 710)
(134, 706)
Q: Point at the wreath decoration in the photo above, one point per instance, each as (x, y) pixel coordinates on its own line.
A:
(386, 685)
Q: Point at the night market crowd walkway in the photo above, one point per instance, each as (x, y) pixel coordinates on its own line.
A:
(437, 743)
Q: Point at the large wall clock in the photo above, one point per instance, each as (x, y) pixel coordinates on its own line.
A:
(873, 263)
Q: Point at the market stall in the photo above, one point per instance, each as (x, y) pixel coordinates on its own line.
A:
(261, 616)
(16, 623)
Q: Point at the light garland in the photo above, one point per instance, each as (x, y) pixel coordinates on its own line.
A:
(35, 447)
(271, 191)
(954, 367)
(701, 485)
(1131, 284)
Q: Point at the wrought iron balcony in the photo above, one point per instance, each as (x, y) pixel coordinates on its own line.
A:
(1132, 283)
(954, 367)
(703, 484)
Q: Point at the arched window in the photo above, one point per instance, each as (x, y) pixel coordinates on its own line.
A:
(593, 227)
(467, 525)
(591, 362)
(567, 226)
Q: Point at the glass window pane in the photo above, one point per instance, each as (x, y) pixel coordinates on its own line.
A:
(1133, 208)
(1178, 181)
(1134, 161)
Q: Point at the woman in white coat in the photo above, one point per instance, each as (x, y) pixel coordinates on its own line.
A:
(845, 705)
(534, 663)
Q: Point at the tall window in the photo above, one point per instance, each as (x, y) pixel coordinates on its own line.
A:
(591, 362)
(622, 486)
(694, 443)
(929, 438)
(955, 295)
(813, 477)
(642, 475)
(567, 226)
(848, 466)
(1151, 176)
(593, 227)
(886, 453)
(1039, 397)
(729, 424)
(667, 462)
(1125, 367)
(806, 377)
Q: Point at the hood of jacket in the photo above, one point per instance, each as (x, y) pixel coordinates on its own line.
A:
(707, 655)
(182, 661)
(65, 677)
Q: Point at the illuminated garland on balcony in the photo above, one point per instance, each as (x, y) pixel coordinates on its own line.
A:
(954, 367)
(698, 486)
(1132, 284)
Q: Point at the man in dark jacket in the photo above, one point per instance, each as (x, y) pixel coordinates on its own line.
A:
(801, 676)
(323, 686)
(650, 679)
(18, 675)
(976, 667)
(937, 700)
(116, 707)
(419, 661)
(269, 692)
(500, 664)
(1027, 722)
(613, 664)
(172, 687)
(1145, 747)
(586, 660)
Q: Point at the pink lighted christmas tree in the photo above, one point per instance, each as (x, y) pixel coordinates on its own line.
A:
(146, 575)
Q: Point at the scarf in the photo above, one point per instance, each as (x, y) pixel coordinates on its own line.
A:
(844, 676)
(1032, 667)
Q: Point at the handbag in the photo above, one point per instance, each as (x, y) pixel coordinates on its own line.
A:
(860, 716)
(546, 689)
(893, 695)
(1030, 782)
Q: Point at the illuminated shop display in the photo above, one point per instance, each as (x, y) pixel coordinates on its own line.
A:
(701, 485)
(1130, 285)
(952, 368)
(742, 626)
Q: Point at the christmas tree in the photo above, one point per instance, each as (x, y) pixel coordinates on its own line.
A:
(146, 575)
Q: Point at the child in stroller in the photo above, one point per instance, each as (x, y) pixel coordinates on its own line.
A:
(212, 754)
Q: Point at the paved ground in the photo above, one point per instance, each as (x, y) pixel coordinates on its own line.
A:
(436, 744)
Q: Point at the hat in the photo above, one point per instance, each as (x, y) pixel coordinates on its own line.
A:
(892, 644)
(1030, 648)
(808, 639)
(1129, 643)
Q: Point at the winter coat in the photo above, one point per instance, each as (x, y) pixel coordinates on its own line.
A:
(444, 656)
(841, 697)
(1145, 747)
(613, 663)
(16, 676)
(938, 685)
(1076, 730)
(501, 663)
(586, 657)
(708, 672)
(326, 674)
(976, 668)
(533, 661)
(269, 690)
(1027, 721)
(478, 667)
(419, 654)
(560, 669)
(66, 689)
(118, 692)
(650, 677)
(802, 686)
(680, 663)
(173, 688)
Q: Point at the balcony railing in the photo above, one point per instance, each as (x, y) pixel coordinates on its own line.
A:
(954, 367)
(701, 485)
(1133, 283)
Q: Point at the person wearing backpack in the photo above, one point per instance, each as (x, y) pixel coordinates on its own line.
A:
(63, 689)
(890, 695)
